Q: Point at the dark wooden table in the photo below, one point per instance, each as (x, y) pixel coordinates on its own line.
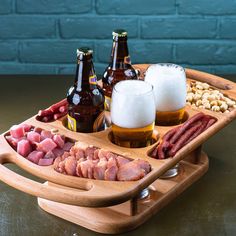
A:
(208, 207)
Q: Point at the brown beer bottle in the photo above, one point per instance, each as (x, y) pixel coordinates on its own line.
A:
(85, 98)
(119, 67)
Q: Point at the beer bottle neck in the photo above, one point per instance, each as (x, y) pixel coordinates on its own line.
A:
(119, 53)
(85, 74)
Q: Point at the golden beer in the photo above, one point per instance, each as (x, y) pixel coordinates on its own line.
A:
(132, 113)
(133, 137)
(170, 117)
(169, 82)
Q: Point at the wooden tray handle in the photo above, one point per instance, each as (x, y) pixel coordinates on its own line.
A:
(93, 197)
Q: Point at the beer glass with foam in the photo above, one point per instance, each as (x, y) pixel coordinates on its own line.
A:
(133, 113)
(169, 82)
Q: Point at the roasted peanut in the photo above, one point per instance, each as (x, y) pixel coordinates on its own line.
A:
(215, 108)
(201, 95)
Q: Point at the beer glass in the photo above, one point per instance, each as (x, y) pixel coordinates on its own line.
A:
(132, 113)
(169, 82)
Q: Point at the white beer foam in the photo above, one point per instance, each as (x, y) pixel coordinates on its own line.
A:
(132, 104)
(169, 82)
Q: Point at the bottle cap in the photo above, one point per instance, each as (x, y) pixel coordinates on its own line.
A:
(119, 33)
(84, 51)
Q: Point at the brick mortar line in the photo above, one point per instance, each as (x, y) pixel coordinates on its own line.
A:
(65, 14)
(136, 40)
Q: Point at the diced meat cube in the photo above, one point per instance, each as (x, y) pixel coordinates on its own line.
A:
(24, 148)
(46, 145)
(45, 162)
(38, 130)
(49, 155)
(46, 134)
(58, 152)
(68, 146)
(26, 127)
(14, 141)
(58, 140)
(35, 156)
(17, 131)
(33, 137)
(70, 165)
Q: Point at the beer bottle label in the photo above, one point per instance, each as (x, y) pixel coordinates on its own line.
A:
(127, 60)
(93, 79)
(107, 103)
(71, 123)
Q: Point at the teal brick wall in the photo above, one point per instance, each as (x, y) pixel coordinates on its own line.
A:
(41, 37)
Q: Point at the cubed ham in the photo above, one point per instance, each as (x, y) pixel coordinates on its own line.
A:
(35, 156)
(46, 134)
(11, 141)
(33, 137)
(46, 145)
(68, 146)
(17, 131)
(38, 130)
(49, 155)
(45, 162)
(58, 152)
(24, 148)
(26, 127)
(14, 141)
(58, 140)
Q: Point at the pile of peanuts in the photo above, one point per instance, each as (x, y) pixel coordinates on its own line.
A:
(203, 96)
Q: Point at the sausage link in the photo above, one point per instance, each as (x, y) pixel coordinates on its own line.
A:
(184, 138)
(185, 126)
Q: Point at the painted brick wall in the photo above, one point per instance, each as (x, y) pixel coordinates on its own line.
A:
(40, 37)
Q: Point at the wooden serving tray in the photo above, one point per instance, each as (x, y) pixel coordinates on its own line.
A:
(82, 192)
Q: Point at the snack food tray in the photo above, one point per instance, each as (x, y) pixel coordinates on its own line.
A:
(62, 190)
